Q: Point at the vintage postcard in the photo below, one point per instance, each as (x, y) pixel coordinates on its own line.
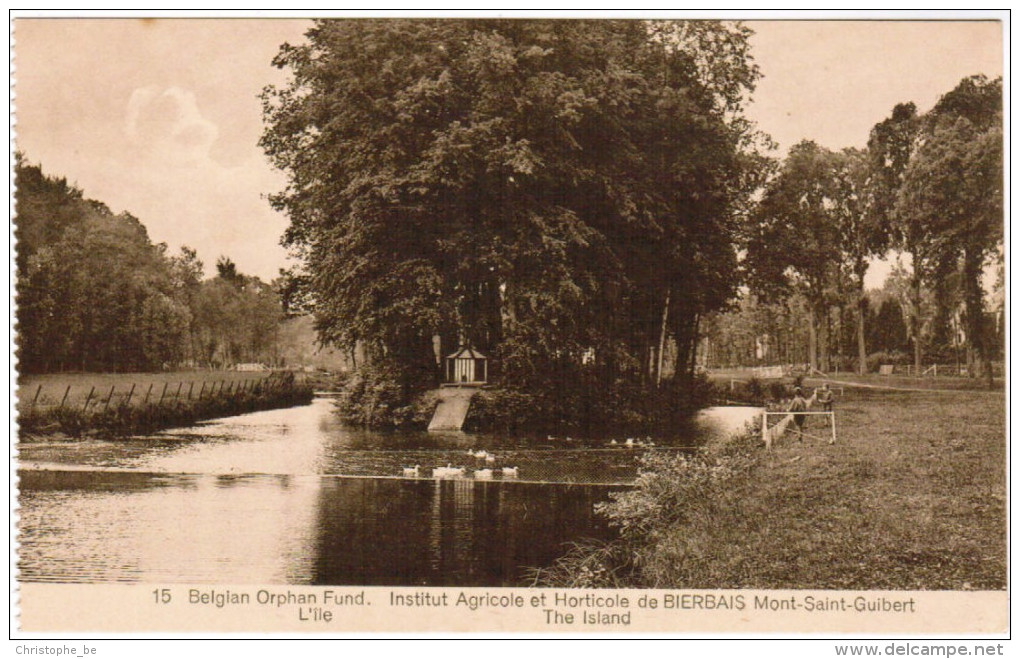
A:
(509, 325)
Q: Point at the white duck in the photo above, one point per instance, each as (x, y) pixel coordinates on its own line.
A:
(510, 472)
(448, 471)
(412, 472)
(483, 475)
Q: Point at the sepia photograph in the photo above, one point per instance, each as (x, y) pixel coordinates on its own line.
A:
(509, 323)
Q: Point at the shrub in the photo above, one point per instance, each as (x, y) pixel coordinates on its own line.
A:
(586, 409)
(756, 390)
(659, 545)
(373, 397)
(504, 411)
(895, 357)
(778, 391)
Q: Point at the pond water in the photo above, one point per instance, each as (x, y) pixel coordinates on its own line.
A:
(292, 496)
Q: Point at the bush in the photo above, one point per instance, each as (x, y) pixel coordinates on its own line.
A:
(504, 411)
(584, 408)
(755, 389)
(756, 392)
(779, 391)
(373, 397)
(674, 494)
(896, 357)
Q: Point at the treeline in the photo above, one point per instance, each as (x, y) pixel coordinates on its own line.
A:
(928, 188)
(564, 196)
(95, 294)
(756, 333)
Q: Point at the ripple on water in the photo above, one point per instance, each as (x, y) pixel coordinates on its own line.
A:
(251, 499)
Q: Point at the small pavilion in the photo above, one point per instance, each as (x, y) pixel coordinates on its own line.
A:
(467, 366)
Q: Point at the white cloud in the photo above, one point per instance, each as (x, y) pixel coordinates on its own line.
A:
(169, 122)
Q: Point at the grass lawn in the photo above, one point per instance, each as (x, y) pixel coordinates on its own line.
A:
(54, 385)
(912, 496)
(908, 382)
(870, 380)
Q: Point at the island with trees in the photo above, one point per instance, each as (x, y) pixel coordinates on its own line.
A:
(580, 216)
(587, 204)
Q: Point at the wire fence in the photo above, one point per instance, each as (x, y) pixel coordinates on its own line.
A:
(100, 396)
(935, 370)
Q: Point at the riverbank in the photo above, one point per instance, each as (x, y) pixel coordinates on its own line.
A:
(912, 496)
(110, 414)
(45, 390)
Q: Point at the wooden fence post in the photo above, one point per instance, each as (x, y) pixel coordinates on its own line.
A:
(34, 399)
(177, 396)
(88, 399)
(130, 394)
(109, 398)
(64, 399)
(146, 399)
(191, 385)
(165, 384)
(201, 391)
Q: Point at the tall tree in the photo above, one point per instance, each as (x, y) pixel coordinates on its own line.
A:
(953, 189)
(862, 233)
(891, 146)
(93, 291)
(556, 192)
(794, 243)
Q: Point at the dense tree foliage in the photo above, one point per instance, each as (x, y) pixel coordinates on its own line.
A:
(929, 187)
(94, 292)
(560, 194)
(794, 244)
(951, 197)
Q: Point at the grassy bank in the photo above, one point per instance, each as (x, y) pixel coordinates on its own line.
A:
(51, 389)
(110, 417)
(912, 496)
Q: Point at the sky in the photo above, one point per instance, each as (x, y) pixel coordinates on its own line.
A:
(161, 117)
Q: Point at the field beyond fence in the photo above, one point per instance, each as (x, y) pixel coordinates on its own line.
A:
(72, 389)
(117, 404)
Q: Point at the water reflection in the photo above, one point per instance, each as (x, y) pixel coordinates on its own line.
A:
(259, 498)
(309, 440)
(117, 526)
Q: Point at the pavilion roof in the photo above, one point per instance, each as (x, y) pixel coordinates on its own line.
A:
(466, 352)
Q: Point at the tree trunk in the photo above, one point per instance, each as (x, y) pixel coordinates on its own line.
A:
(662, 340)
(812, 338)
(978, 361)
(694, 344)
(825, 342)
(915, 322)
(862, 351)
